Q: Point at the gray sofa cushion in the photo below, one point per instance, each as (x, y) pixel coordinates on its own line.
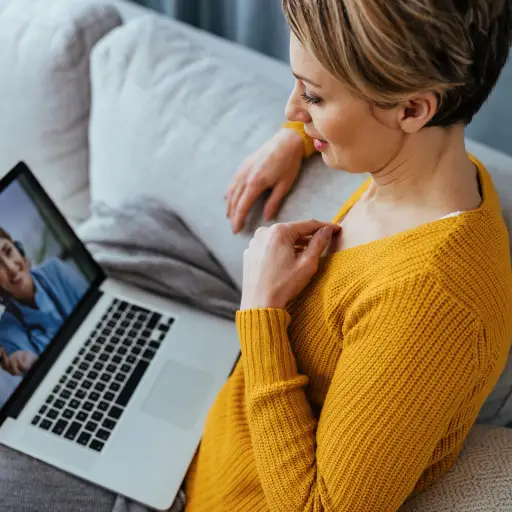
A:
(179, 121)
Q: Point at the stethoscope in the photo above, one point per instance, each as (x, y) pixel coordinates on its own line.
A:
(29, 328)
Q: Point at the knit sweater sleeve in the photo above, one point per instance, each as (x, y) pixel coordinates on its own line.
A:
(408, 361)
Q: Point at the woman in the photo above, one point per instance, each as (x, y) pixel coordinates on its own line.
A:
(37, 301)
(362, 372)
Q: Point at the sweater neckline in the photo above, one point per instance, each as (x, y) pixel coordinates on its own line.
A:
(426, 228)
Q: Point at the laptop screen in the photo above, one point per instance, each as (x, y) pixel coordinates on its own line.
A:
(44, 273)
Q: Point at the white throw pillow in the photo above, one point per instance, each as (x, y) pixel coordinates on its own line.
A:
(173, 122)
(45, 89)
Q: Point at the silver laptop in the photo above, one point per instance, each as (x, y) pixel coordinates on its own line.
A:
(97, 378)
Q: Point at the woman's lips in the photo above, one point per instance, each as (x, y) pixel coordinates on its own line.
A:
(320, 145)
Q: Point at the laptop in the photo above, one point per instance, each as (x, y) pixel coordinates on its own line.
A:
(113, 384)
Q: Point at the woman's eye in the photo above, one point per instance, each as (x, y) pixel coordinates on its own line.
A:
(310, 99)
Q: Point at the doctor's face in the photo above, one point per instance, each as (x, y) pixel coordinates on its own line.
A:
(15, 277)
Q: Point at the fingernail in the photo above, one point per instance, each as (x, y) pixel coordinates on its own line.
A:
(327, 231)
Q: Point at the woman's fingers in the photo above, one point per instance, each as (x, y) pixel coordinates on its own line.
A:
(304, 228)
(247, 199)
(274, 201)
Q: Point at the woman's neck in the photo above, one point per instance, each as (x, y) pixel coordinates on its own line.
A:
(432, 170)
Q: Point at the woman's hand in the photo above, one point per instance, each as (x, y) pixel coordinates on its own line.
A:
(274, 166)
(281, 260)
(18, 363)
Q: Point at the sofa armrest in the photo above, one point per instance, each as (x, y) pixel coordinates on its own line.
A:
(481, 479)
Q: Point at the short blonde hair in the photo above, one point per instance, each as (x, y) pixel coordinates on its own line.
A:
(387, 50)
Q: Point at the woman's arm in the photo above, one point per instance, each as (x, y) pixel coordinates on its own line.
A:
(404, 370)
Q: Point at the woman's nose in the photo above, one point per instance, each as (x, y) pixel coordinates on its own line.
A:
(295, 110)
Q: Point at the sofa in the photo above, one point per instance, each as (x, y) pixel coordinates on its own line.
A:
(107, 101)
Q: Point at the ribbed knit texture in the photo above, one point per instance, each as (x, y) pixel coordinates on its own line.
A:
(361, 394)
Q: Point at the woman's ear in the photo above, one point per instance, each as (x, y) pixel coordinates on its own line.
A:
(418, 111)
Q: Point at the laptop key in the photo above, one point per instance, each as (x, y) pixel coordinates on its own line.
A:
(94, 396)
(126, 368)
(115, 412)
(154, 345)
(59, 404)
(98, 366)
(120, 377)
(50, 399)
(103, 357)
(87, 384)
(65, 394)
(45, 424)
(72, 431)
(88, 406)
(74, 404)
(111, 368)
(109, 396)
(56, 389)
(114, 386)
(90, 357)
(91, 426)
(36, 419)
(97, 416)
(153, 320)
(118, 359)
(103, 434)
(43, 409)
(78, 375)
(149, 354)
(83, 438)
(92, 375)
(108, 423)
(81, 416)
(97, 445)
(99, 386)
(80, 394)
(52, 414)
(103, 406)
(132, 383)
(68, 414)
(72, 384)
(59, 427)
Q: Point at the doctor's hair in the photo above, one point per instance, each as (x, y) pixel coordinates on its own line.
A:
(386, 51)
(4, 234)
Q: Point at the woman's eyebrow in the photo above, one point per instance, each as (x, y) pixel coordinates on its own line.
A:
(304, 79)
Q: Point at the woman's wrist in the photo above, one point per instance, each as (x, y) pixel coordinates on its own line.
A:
(293, 141)
(308, 147)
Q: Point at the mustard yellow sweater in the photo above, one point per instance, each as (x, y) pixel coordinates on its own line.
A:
(362, 392)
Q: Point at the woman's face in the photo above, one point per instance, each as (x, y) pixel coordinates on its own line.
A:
(351, 135)
(15, 277)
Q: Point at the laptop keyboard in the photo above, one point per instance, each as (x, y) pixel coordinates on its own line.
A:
(92, 394)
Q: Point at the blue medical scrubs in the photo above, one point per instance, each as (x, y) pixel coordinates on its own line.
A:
(59, 287)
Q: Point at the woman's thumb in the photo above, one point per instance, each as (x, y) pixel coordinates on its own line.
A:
(319, 242)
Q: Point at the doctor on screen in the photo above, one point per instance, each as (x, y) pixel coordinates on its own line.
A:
(37, 301)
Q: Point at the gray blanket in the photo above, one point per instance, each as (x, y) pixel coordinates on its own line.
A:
(146, 245)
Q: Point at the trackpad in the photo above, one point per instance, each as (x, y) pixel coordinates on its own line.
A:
(178, 394)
